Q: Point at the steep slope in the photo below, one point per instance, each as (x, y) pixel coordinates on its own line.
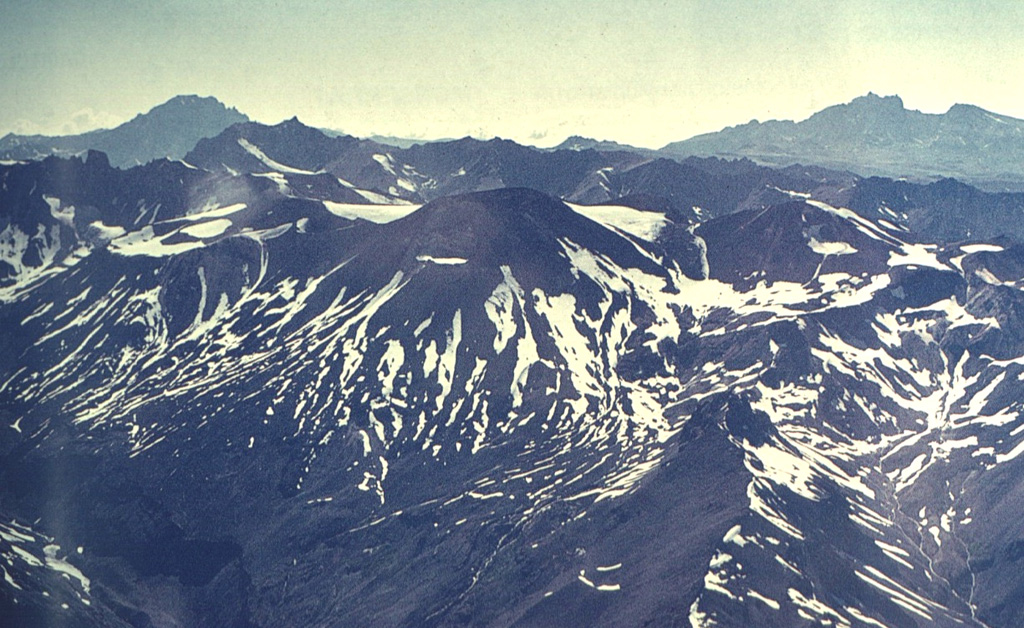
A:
(875, 135)
(168, 130)
(55, 211)
(415, 377)
(945, 210)
(503, 410)
(239, 393)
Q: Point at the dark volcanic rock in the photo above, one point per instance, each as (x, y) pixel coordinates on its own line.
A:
(722, 402)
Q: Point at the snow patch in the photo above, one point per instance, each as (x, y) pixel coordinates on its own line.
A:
(830, 248)
(267, 161)
(379, 214)
(209, 229)
(645, 225)
(442, 261)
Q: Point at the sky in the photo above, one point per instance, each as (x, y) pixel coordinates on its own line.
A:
(639, 72)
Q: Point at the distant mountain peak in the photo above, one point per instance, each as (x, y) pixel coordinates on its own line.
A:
(962, 111)
(190, 99)
(873, 99)
(878, 135)
(169, 129)
(579, 142)
(867, 107)
(192, 102)
(963, 107)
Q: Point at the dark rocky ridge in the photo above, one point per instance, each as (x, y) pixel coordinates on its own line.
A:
(495, 410)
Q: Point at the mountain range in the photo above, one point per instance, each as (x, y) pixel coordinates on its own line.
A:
(168, 130)
(870, 136)
(876, 135)
(300, 378)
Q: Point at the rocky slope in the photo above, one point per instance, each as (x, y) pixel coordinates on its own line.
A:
(233, 398)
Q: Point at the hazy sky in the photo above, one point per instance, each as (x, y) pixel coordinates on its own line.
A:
(638, 72)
